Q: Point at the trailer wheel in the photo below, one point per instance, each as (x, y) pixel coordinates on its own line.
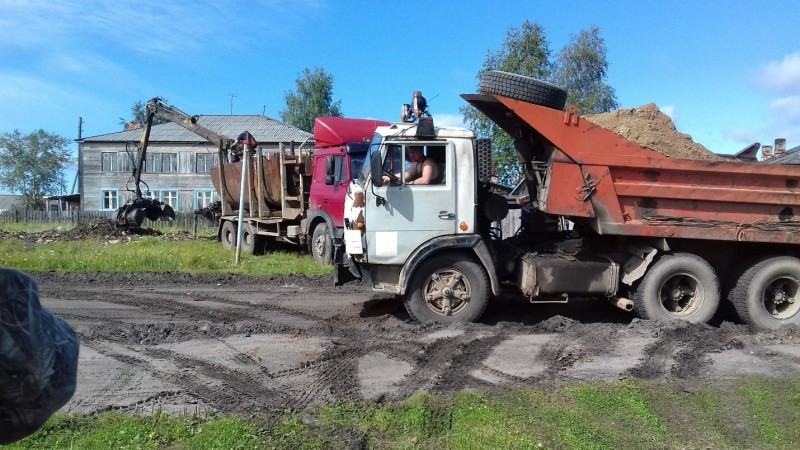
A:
(447, 289)
(228, 235)
(766, 295)
(250, 240)
(320, 245)
(520, 87)
(681, 286)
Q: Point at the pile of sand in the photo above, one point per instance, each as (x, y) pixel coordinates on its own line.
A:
(649, 127)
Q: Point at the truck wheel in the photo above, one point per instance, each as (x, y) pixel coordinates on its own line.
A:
(682, 286)
(766, 295)
(520, 87)
(228, 235)
(320, 245)
(250, 240)
(447, 289)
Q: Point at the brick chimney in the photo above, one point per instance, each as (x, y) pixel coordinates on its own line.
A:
(780, 147)
(766, 152)
(130, 126)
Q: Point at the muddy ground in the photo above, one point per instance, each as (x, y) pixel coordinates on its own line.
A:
(182, 343)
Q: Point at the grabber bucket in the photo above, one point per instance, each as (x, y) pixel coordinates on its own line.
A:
(135, 211)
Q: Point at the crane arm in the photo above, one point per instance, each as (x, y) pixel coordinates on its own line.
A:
(156, 107)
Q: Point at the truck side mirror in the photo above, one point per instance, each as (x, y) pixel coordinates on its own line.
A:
(329, 170)
(376, 169)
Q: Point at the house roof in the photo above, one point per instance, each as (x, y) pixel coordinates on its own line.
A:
(263, 129)
(9, 201)
(792, 156)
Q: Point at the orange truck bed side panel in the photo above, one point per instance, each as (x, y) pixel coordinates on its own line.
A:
(635, 190)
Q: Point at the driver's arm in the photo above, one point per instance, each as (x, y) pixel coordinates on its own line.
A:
(429, 173)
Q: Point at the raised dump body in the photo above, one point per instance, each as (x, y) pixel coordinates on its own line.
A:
(626, 189)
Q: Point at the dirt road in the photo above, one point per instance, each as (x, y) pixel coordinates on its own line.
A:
(181, 343)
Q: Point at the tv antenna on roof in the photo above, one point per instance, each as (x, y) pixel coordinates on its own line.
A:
(231, 95)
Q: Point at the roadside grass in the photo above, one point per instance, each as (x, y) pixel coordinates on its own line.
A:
(151, 254)
(625, 414)
(34, 227)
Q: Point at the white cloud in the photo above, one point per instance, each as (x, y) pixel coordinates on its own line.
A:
(448, 120)
(786, 111)
(781, 76)
(146, 27)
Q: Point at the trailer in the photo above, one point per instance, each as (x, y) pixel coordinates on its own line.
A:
(602, 217)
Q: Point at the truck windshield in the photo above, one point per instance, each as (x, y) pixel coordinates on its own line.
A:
(356, 163)
(374, 147)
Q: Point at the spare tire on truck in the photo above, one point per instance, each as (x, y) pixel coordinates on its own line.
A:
(520, 87)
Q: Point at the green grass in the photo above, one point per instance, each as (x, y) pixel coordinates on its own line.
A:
(34, 227)
(619, 415)
(150, 254)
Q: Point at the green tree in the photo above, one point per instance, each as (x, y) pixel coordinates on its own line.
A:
(33, 164)
(314, 98)
(139, 115)
(525, 51)
(581, 68)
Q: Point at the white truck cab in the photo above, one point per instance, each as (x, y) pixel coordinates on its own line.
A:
(397, 231)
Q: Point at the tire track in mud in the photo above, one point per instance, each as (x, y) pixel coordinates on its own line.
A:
(333, 351)
(241, 390)
(220, 387)
(680, 351)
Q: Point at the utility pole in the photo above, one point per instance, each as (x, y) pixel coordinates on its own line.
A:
(231, 95)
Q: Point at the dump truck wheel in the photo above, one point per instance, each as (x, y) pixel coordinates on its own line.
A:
(320, 245)
(520, 87)
(228, 235)
(447, 289)
(682, 286)
(767, 296)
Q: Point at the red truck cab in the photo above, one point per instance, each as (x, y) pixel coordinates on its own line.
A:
(340, 149)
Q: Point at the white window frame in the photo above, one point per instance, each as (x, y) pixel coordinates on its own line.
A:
(111, 159)
(156, 161)
(172, 197)
(209, 161)
(109, 199)
(211, 193)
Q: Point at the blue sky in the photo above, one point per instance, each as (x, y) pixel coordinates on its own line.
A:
(728, 72)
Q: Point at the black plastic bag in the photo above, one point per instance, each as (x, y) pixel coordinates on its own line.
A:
(38, 358)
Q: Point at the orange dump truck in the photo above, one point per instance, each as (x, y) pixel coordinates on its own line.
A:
(602, 217)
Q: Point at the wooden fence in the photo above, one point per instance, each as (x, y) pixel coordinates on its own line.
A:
(183, 220)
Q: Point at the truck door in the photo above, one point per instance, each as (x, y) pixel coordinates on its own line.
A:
(410, 214)
(330, 184)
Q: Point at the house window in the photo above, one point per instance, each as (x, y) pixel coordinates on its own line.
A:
(109, 200)
(124, 163)
(168, 196)
(203, 162)
(162, 163)
(108, 161)
(203, 198)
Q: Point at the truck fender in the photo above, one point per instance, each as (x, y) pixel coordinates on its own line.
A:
(472, 243)
(636, 265)
(317, 217)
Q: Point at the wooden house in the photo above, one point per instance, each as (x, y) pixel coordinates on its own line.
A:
(177, 161)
